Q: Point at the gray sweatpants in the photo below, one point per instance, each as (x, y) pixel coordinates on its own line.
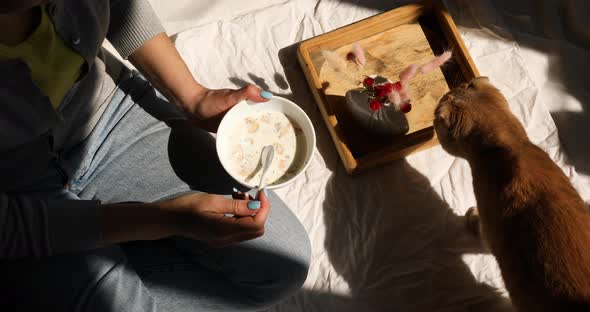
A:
(132, 156)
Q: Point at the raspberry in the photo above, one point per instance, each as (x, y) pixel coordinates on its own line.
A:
(368, 82)
(375, 104)
(397, 86)
(381, 93)
(383, 90)
(350, 57)
(388, 86)
(405, 107)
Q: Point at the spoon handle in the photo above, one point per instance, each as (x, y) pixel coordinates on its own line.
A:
(267, 156)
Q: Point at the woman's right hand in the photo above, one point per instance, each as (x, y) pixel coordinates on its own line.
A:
(204, 217)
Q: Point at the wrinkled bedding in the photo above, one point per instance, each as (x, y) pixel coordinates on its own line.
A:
(391, 239)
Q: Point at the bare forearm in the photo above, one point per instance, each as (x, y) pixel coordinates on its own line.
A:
(160, 62)
(135, 221)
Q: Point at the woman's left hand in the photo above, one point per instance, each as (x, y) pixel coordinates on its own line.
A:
(159, 61)
(209, 106)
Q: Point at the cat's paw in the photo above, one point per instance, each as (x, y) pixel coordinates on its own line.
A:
(472, 220)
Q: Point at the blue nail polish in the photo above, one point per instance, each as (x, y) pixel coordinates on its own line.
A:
(253, 205)
(265, 94)
(265, 192)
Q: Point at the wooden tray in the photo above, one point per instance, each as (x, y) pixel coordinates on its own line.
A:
(392, 40)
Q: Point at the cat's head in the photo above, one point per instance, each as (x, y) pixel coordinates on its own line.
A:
(472, 115)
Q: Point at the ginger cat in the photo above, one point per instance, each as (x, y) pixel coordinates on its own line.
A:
(531, 217)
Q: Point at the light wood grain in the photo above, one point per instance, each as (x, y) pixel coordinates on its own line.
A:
(392, 41)
(388, 53)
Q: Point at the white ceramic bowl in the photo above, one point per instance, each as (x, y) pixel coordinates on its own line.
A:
(244, 109)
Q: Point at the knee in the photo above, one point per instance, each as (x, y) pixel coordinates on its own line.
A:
(278, 275)
(293, 266)
(279, 261)
(118, 287)
(292, 249)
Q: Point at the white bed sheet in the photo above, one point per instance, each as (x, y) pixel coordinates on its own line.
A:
(391, 239)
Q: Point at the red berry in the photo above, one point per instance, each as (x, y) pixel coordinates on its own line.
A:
(388, 86)
(375, 104)
(350, 56)
(368, 82)
(405, 107)
(381, 93)
(383, 90)
(397, 86)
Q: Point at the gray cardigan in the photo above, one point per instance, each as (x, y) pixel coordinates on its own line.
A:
(32, 133)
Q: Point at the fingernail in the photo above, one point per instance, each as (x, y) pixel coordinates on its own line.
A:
(265, 192)
(265, 94)
(252, 205)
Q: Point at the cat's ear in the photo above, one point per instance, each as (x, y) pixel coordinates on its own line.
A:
(443, 114)
(480, 81)
(452, 120)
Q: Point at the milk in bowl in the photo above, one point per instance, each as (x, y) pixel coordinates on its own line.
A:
(248, 128)
(253, 133)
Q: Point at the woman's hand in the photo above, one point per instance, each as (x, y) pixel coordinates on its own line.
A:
(209, 106)
(159, 61)
(204, 217)
(198, 216)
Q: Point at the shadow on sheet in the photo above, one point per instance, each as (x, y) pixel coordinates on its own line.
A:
(405, 256)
